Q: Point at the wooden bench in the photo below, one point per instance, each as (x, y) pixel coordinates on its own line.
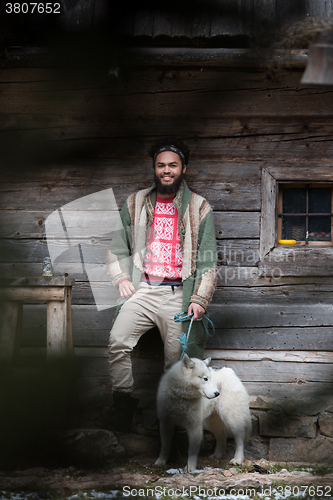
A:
(57, 292)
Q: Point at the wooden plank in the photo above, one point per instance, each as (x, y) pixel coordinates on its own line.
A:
(224, 18)
(91, 225)
(224, 316)
(162, 23)
(32, 293)
(143, 23)
(93, 251)
(268, 213)
(216, 94)
(236, 355)
(303, 173)
(290, 12)
(11, 313)
(281, 338)
(58, 341)
(238, 252)
(237, 224)
(248, 371)
(201, 13)
(271, 371)
(298, 261)
(227, 186)
(276, 356)
(270, 315)
(322, 10)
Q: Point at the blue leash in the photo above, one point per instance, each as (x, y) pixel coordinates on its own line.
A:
(183, 316)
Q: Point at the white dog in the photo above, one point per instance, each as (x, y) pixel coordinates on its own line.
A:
(197, 397)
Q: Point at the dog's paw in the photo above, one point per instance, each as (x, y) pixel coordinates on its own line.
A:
(216, 455)
(160, 461)
(235, 461)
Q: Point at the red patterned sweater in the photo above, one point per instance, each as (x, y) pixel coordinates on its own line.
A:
(163, 257)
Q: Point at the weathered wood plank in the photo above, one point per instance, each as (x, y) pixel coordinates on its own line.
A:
(232, 355)
(19, 224)
(248, 371)
(307, 338)
(237, 224)
(32, 293)
(215, 94)
(224, 316)
(280, 338)
(9, 330)
(228, 276)
(298, 261)
(143, 22)
(268, 213)
(263, 396)
(226, 185)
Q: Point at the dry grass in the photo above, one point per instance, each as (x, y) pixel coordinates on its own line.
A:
(299, 35)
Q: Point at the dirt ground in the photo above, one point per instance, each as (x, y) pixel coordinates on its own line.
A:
(139, 478)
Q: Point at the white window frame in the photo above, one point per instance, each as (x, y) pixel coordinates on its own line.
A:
(290, 260)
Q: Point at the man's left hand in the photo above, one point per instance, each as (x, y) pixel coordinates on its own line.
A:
(196, 309)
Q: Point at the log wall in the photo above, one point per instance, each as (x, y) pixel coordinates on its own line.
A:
(69, 134)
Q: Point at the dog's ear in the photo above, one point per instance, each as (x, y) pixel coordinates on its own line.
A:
(187, 362)
(207, 361)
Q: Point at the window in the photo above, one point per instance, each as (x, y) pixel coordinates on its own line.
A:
(305, 213)
(296, 205)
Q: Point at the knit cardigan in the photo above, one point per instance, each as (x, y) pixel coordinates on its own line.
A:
(197, 238)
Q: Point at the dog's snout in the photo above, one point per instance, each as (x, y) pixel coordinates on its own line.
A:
(216, 393)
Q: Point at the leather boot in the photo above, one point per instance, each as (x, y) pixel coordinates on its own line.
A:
(120, 416)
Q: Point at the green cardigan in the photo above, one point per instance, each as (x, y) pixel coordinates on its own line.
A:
(197, 238)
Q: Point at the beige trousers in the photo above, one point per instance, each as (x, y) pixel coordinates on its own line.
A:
(150, 305)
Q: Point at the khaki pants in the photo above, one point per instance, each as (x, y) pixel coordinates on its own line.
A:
(150, 305)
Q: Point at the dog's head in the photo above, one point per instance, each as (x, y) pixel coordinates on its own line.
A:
(198, 374)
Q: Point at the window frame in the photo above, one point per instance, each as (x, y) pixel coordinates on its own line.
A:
(308, 185)
(290, 260)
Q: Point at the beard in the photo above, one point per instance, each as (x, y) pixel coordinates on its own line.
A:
(168, 189)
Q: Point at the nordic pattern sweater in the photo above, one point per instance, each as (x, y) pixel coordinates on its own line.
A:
(198, 242)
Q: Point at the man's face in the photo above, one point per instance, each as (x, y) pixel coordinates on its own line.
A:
(168, 172)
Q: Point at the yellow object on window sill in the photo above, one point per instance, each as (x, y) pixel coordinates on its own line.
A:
(287, 242)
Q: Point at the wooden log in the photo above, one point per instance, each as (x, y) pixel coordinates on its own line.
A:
(234, 355)
(225, 316)
(209, 57)
(239, 188)
(10, 330)
(297, 261)
(248, 371)
(281, 338)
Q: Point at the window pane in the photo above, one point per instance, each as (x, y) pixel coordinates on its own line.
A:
(320, 200)
(294, 200)
(293, 228)
(319, 228)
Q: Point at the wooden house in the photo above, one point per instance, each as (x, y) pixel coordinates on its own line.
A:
(79, 119)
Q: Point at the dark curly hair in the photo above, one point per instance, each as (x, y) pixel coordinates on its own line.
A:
(170, 141)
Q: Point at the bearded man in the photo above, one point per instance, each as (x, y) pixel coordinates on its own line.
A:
(163, 260)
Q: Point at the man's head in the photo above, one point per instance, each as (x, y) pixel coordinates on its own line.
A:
(170, 157)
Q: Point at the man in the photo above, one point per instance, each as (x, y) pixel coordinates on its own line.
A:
(163, 259)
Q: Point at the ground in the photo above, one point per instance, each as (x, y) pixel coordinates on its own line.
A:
(133, 478)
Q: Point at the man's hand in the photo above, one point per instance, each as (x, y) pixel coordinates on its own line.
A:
(196, 309)
(126, 289)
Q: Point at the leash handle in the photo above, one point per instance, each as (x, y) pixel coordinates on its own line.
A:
(184, 339)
